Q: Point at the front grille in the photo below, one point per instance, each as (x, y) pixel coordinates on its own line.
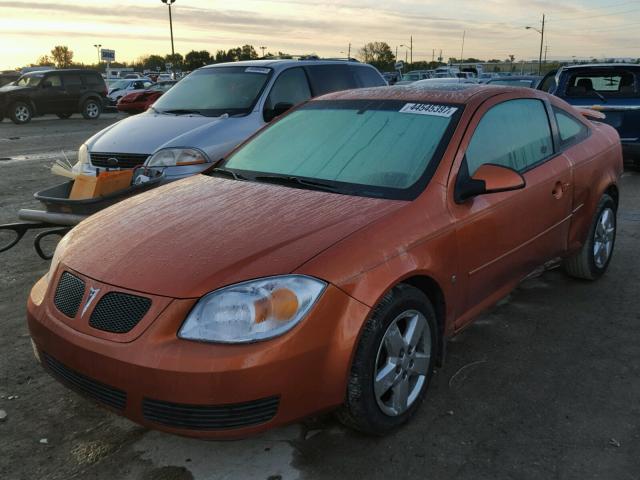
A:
(99, 392)
(124, 160)
(210, 417)
(69, 294)
(119, 312)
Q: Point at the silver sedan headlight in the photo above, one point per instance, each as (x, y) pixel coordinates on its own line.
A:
(252, 311)
(170, 157)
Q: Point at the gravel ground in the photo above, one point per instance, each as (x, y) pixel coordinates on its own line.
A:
(545, 385)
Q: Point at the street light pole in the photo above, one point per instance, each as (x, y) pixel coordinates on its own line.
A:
(98, 49)
(263, 49)
(169, 3)
(541, 32)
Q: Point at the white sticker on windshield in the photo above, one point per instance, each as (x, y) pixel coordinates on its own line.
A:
(256, 70)
(429, 109)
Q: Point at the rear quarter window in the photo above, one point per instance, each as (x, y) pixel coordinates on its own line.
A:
(569, 128)
(72, 80)
(92, 80)
(331, 78)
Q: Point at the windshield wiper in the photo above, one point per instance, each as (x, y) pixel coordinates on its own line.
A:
(182, 111)
(228, 173)
(295, 181)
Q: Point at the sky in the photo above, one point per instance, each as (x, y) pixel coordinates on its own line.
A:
(494, 28)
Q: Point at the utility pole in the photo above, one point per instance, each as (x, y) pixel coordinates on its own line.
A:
(464, 33)
(541, 43)
(546, 49)
(263, 49)
(433, 55)
(349, 52)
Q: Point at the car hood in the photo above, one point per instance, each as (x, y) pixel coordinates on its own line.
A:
(13, 88)
(193, 236)
(147, 132)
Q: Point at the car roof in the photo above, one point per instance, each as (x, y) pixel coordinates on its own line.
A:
(596, 66)
(279, 64)
(62, 70)
(457, 93)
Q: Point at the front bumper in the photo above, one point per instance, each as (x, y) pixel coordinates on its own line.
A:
(198, 389)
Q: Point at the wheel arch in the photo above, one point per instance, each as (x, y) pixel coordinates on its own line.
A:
(435, 294)
(613, 191)
(25, 99)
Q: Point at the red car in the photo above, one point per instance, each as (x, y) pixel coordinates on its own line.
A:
(138, 102)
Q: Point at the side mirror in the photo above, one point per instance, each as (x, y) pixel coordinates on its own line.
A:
(489, 178)
(47, 84)
(277, 110)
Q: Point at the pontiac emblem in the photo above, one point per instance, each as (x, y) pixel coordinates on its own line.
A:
(93, 293)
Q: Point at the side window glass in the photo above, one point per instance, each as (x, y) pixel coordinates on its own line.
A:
(55, 80)
(368, 77)
(569, 128)
(290, 87)
(72, 81)
(331, 78)
(515, 134)
(147, 84)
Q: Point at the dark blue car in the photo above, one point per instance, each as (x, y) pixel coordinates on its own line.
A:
(613, 89)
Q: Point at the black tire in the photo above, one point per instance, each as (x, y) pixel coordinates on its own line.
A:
(20, 112)
(91, 109)
(361, 409)
(584, 264)
(63, 116)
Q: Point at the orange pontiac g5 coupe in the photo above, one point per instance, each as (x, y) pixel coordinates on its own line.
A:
(326, 262)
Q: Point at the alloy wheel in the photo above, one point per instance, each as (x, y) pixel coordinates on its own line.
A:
(22, 113)
(92, 110)
(402, 362)
(604, 237)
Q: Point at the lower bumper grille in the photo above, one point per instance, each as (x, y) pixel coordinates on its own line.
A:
(100, 392)
(210, 417)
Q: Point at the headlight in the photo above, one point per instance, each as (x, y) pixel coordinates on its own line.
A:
(252, 311)
(83, 159)
(55, 260)
(171, 157)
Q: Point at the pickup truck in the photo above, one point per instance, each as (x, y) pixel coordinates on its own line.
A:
(613, 89)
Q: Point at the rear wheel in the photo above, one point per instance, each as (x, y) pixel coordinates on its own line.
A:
(20, 112)
(593, 258)
(393, 363)
(91, 109)
(64, 116)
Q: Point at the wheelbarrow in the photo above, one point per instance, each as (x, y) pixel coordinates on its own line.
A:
(61, 213)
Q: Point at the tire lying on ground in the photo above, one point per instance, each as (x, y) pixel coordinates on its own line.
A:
(91, 109)
(20, 112)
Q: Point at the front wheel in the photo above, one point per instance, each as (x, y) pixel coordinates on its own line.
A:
(592, 260)
(91, 109)
(20, 113)
(393, 363)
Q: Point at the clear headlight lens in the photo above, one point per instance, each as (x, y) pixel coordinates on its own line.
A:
(171, 157)
(83, 159)
(252, 311)
(55, 260)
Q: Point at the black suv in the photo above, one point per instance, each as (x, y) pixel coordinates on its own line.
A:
(62, 92)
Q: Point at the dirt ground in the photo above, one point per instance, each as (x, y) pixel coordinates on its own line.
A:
(544, 386)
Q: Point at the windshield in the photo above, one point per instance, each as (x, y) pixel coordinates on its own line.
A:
(216, 91)
(120, 84)
(384, 148)
(29, 80)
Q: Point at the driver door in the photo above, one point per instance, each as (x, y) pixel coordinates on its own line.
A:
(503, 236)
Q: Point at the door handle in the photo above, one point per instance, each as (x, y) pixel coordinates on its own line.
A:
(558, 190)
